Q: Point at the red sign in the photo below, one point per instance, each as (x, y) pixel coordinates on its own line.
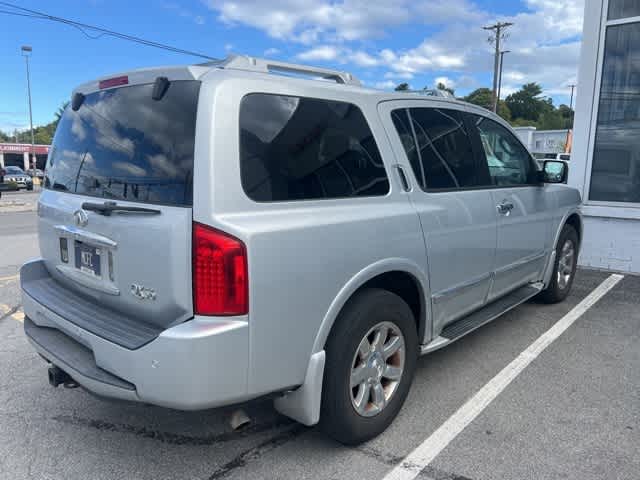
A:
(23, 148)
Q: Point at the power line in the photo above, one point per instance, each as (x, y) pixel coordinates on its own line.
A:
(84, 27)
(498, 28)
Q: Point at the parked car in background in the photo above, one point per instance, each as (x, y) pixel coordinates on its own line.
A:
(19, 177)
(267, 235)
(557, 156)
(36, 173)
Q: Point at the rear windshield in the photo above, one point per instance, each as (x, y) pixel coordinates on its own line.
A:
(124, 145)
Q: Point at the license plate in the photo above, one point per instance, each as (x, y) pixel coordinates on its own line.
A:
(88, 259)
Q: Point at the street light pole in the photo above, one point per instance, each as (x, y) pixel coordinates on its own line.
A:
(500, 75)
(26, 53)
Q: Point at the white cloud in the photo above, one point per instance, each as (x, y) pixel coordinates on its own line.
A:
(399, 75)
(183, 12)
(386, 85)
(363, 59)
(307, 21)
(543, 40)
(324, 53)
(271, 52)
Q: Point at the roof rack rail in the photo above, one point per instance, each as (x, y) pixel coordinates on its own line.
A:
(434, 92)
(253, 64)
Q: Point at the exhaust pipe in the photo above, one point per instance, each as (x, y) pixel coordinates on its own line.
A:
(57, 376)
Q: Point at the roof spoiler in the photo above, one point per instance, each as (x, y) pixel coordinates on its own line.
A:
(253, 64)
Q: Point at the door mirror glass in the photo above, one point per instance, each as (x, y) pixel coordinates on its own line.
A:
(555, 171)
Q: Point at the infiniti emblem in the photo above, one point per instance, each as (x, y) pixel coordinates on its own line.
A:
(81, 218)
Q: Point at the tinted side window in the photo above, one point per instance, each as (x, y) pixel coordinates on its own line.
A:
(441, 155)
(508, 161)
(401, 120)
(294, 148)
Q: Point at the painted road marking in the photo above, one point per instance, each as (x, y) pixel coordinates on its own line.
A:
(4, 309)
(425, 453)
(19, 316)
(6, 279)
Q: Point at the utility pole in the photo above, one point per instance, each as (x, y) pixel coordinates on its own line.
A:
(26, 52)
(571, 102)
(498, 29)
(570, 127)
(500, 75)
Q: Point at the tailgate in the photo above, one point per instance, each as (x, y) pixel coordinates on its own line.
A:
(115, 215)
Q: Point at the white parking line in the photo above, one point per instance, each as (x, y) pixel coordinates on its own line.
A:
(421, 457)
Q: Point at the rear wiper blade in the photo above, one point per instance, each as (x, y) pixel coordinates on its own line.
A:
(107, 208)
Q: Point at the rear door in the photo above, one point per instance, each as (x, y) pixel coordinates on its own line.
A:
(524, 208)
(116, 210)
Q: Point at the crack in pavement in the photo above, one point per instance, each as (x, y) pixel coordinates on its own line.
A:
(169, 437)
(428, 473)
(259, 450)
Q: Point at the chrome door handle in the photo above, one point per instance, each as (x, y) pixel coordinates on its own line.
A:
(504, 208)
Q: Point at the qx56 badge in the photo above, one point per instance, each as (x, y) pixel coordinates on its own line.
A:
(143, 293)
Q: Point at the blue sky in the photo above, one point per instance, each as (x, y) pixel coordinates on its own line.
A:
(384, 43)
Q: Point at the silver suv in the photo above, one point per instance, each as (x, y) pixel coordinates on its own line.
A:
(216, 233)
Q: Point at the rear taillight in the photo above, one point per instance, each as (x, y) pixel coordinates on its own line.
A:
(220, 283)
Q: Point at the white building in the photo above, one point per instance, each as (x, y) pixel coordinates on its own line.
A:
(542, 141)
(605, 163)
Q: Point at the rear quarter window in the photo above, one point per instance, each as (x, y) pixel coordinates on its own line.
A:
(295, 148)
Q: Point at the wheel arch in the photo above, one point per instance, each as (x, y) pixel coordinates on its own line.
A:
(400, 276)
(575, 221)
(573, 218)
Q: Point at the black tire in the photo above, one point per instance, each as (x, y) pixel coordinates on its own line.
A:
(339, 418)
(555, 291)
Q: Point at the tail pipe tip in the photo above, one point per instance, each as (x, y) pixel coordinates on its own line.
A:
(57, 376)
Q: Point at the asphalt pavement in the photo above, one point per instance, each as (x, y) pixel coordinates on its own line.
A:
(572, 413)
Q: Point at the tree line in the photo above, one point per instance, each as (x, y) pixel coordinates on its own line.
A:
(526, 107)
(42, 134)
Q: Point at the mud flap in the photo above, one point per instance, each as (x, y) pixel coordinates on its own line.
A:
(303, 404)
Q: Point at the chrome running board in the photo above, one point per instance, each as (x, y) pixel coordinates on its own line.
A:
(486, 314)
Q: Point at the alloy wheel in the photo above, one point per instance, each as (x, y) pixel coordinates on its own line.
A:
(377, 369)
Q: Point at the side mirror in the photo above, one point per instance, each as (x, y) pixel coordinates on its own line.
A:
(554, 171)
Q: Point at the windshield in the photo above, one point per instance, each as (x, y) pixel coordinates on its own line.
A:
(14, 171)
(122, 144)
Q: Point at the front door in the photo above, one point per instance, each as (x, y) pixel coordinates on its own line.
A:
(523, 207)
(458, 218)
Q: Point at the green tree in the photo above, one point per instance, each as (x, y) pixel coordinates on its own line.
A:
(481, 97)
(58, 114)
(527, 102)
(442, 86)
(403, 87)
(503, 110)
(551, 120)
(567, 115)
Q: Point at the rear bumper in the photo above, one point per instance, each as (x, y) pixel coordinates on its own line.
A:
(201, 363)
